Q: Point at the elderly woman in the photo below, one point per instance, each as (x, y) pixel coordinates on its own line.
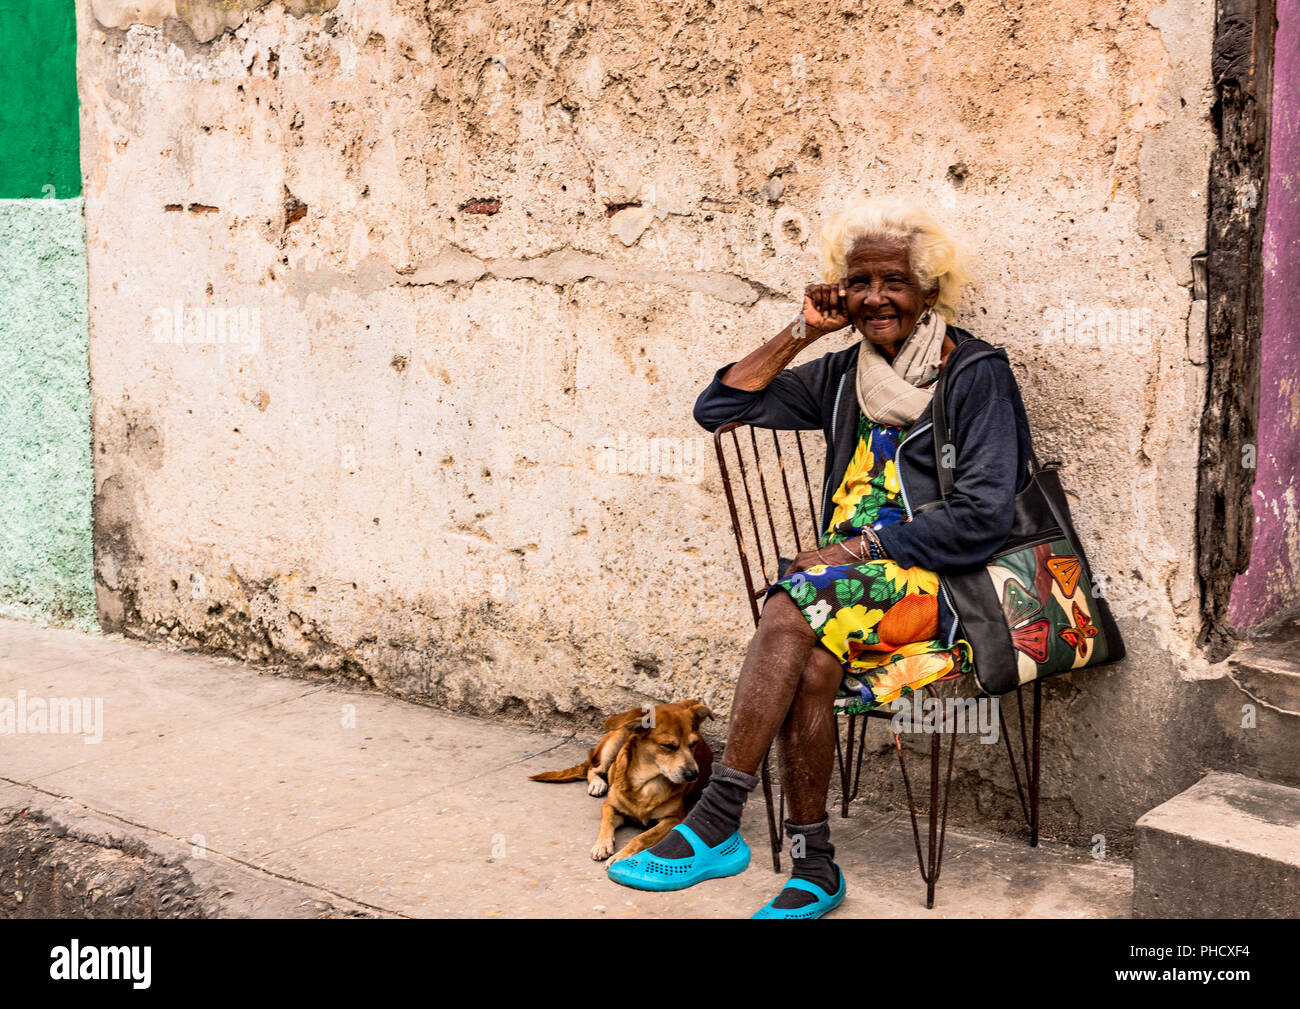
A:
(861, 617)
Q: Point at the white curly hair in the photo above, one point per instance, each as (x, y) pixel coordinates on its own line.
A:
(936, 257)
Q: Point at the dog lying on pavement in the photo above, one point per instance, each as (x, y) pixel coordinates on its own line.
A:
(650, 769)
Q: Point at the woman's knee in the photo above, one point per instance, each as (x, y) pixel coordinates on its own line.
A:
(781, 616)
(822, 674)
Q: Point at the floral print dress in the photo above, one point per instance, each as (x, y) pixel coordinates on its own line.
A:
(871, 613)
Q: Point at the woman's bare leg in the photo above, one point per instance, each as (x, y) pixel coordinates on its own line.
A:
(807, 758)
(808, 738)
(769, 679)
(774, 669)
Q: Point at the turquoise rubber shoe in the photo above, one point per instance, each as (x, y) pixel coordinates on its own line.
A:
(824, 903)
(644, 871)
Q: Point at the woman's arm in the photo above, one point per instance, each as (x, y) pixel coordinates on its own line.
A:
(823, 312)
(851, 551)
(760, 390)
(964, 530)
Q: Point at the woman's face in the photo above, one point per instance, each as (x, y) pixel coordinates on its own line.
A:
(885, 297)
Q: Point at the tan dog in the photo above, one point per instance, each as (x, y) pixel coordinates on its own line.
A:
(648, 769)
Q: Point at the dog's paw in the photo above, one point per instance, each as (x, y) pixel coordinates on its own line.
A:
(601, 850)
(597, 786)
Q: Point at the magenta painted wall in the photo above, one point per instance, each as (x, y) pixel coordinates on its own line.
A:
(1272, 584)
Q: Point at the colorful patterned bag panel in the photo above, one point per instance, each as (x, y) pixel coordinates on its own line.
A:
(1030, 611)
(1049, 607)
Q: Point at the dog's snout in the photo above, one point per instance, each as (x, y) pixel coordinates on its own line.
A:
(691, 774)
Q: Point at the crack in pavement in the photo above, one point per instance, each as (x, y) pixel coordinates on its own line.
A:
(284, 877)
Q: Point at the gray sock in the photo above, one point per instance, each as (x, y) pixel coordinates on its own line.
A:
(813, 859)
(716, 816)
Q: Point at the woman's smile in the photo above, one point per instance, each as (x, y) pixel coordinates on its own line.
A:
(885, 297)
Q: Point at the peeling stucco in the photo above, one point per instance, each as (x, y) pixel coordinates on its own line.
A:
(206, 19)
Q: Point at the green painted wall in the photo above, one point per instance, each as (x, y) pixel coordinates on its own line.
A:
(46, 563)
(38, 116)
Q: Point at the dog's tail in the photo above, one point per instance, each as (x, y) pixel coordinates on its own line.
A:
(576, 773)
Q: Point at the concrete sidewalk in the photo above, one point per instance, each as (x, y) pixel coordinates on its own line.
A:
(222, 789)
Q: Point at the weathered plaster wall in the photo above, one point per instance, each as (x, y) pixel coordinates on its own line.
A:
(45, 473)
(485, 253)
(1270, 587)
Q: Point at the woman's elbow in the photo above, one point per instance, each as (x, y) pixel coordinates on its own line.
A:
(992, 530)
(706, 417)
(711, 414)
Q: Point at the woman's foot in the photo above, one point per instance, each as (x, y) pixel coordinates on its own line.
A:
(817, 885)
(715, 817)
(706, 845)
(646, 871)
(802, 899)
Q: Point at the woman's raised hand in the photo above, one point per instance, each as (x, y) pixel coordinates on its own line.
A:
(824, 311)
(825, 307)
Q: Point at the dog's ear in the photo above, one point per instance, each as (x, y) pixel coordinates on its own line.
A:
(700, 711)
(626, 718)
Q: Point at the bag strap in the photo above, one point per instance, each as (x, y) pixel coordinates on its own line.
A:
(942, 431)
(939, 427)
(1067, 532)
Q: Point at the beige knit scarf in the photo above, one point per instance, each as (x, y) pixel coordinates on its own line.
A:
(887, 390)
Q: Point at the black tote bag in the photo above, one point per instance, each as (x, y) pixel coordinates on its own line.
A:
(1033, 609)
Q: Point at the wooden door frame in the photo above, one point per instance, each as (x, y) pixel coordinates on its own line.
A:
(1242, 68)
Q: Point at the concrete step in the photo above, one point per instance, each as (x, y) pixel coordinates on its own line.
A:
(1269, 667)
(1266, 672)
(1228, 847)
(62, 859)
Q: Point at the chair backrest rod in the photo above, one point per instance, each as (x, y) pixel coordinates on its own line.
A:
(812, 511)
(767, 503)
(789, 501)
(749, 501)
(735, 523)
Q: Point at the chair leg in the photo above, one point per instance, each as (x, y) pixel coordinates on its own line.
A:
(862, 749)
(845, 764)
(1031, 755)
(934, 816)
(938, 820)
(773, 830)
(1011, 759)
(1033, 778)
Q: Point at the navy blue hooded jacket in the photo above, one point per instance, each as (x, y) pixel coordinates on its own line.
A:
(991, 445)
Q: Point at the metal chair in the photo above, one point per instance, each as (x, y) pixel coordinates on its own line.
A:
(778, 528)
